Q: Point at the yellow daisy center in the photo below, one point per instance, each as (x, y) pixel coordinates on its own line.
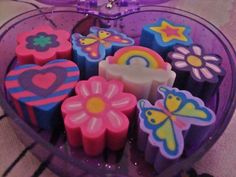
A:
(194, 61)
(95, 105)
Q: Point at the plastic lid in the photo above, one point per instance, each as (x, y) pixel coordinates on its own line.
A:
(110, 9)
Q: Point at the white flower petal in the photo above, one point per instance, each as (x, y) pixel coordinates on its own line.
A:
(94, 125)
(197, 50)
(177, 55)
(78, 117)
(206, 73)
(196, 73)
(73, 106)
(120, 103)
(181, 64)
(96, 87)
(111, 91)
(84, 90)
(114, 119)
(214, 67)
(183, 50)
(210, 58)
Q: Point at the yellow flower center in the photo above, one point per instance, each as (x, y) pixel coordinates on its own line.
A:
(194, 61)
(95, 105)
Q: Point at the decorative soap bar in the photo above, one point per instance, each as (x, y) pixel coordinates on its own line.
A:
(43, 44)
(141, 70)
(197, 72)
(37, 91)
(98, 116)
(90, 50)
(161, 126)
(163, 35)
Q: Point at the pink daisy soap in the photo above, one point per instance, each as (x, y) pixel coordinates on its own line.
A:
(98, 116)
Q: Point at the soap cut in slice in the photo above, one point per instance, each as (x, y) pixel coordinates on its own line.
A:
(42, 45)
(164, 126)
(38, 91)
(141, 70)
(98, 116)
(197, 71)
(163, 35)
(91, 49)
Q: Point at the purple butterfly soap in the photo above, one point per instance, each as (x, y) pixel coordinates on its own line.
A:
(164, 126)
(37, 91)
(91, 49)
(196, 71)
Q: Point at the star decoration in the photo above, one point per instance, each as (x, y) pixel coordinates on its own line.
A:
(170, 32)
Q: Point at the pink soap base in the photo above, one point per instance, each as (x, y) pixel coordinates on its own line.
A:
(42, 45)
(98, 116)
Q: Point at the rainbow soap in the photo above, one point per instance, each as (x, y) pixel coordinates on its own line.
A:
(197, 72)
(141, 70)
(98, 116)
(91, 49)
(42, 45)
(38, 91)
(162, 127)
(163, 35)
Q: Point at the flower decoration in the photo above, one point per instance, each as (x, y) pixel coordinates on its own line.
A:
(42, 45)
(203, 67)
(98, 115)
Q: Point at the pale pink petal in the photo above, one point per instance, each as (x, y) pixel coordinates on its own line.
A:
(210, 58)
(117, 125)
(116, 121)
(181, 64)
(197, 50)
(124, 102)
(95, 127)
(196, 73)
(82, 88)
(96, 87)
(214, 67)
(76, 120)
(177, 55)
(72, 104)
(183, 50)
(114, 87)
(206, 73)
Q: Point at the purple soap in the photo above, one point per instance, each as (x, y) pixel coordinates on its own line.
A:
(197, 72)
(163, 127)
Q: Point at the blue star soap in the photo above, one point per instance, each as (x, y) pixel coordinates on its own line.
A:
(163, 35)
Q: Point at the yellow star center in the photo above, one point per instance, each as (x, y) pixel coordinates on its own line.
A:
(169, 32)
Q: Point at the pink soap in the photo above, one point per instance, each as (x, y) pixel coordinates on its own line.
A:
(98, 116)
(42, 45)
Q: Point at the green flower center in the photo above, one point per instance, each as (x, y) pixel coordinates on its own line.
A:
(42, 41)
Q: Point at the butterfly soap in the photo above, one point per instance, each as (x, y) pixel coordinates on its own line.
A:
(141, 70)
(164, 126)
(91, 49)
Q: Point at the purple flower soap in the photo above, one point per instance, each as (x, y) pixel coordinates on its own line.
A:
(163, 127)
(197, 72)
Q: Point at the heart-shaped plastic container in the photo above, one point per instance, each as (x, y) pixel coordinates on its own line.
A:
(52, 147)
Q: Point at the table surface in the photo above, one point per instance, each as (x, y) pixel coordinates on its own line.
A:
(16, 161)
